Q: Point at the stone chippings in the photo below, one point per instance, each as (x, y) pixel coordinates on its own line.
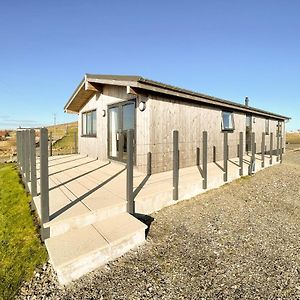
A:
(240, 241)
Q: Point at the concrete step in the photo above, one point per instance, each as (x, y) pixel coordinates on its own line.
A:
(80, 251)
(86, 212)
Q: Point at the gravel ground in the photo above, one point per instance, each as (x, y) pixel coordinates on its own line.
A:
(240, 241)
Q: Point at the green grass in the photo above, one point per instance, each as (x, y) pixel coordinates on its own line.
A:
(20, 248)
(66, 145)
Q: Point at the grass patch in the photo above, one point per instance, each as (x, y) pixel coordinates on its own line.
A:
(293, 138)
(20, 248)
(66, 145)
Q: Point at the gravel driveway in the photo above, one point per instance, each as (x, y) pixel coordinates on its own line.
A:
(240, 241)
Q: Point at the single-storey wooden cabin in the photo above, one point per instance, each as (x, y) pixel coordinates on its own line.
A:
(109, 105)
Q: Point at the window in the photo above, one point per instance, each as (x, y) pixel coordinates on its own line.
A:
(227, 121)
(89, 123)
(267, 126)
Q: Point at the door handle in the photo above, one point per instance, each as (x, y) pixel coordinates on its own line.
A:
(118, 137)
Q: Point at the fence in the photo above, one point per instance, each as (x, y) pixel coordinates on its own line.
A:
(27, 154)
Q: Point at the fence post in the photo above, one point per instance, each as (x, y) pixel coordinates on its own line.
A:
(214, 154)
(277, 146)
(27, 156)
(33, 163)
(129, 188)
(204, 159)
(175, 165)
(44, 181)
(18, 147)
(149, 163)
(75, 142)
(271, 148)
(253, 151)
(198, 156)
(241, 153)
(225, 156)
(50, 142)
(263, 143)
(21, 153)
(281, 150)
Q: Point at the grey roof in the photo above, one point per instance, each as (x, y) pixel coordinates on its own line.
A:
(144, 83)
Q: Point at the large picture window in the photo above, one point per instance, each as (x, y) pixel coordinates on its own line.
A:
(227, 121)
(89, 123)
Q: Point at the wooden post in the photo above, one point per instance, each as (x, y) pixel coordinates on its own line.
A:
(241, 153)
(253, 150)
(198, 156)
(33, 163)
(75, 142)
(263, 143)
(50, 142)
(204, 159)
(225, 156)
(129, 188)
(27, 156)
(277, 146)
(44, 181)
(281, 149)
(21, 153)
(271, 148)
(175, 165)
(214, 153)
(149, 163)
(18, 146)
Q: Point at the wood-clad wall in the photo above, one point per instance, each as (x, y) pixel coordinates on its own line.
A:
(191, 119)
(154, 127)
(97, 146)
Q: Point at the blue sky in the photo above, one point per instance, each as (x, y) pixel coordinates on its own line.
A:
(229, 49)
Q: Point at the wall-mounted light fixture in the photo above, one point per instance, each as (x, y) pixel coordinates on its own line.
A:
(103, 113)
(142, 106)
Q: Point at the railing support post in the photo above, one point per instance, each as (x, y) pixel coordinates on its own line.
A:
(281, 149)
(241, 153)
(277, 146)
(50, 142)
(27, 157)
(21, 154)
(253, 151)
(33, 163)
(225, 156)
(149, 163)
(18, 147)
(271, 148)
(263, 144)
(175, 165)
(204, 159)
(44, 182)
(129, 187)
(75, 142)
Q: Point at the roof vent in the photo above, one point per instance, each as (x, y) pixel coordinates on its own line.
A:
(246, 101)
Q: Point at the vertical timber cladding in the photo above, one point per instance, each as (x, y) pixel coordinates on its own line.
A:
(97, 146)
(190, 119)
(258, 126)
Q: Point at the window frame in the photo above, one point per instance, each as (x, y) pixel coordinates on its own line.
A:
(85, 118)
(232, 128)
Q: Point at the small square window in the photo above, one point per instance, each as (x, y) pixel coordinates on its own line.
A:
(227, 121)
(267, 126)
(89, 123)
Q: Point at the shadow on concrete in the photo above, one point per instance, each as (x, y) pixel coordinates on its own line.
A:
(81, 175)
(140, 186)
(82, 197)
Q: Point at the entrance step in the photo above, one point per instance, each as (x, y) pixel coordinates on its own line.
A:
(85, 212)
(79, 251)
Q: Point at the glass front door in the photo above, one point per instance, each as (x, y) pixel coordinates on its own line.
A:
(121, 117)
